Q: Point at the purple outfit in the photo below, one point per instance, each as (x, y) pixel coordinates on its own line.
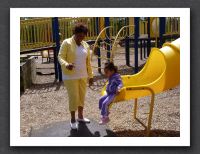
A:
(114, 83)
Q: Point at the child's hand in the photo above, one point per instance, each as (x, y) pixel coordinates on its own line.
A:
(118, 91)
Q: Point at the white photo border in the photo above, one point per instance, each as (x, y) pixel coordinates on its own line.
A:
(16, 140)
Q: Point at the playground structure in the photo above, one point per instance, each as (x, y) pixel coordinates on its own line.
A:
(39, 34)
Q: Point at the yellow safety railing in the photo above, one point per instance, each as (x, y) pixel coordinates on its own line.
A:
(117, 23)
(35, 33)
(66, 26)
(172, 25)
(143, 27)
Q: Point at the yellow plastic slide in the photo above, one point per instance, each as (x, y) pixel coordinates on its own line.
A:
(161, 72)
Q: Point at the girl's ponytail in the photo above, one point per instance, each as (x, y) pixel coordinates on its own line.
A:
(110, 66)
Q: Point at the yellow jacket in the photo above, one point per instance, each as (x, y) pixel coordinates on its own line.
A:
(67, 54)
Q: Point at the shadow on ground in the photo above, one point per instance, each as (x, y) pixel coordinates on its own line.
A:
(84, 131)
(93, 129)
(62, 129)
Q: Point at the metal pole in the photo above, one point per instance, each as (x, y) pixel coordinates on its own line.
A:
(127, 45)
(107, 23)
(98, 48)
(162, 30)
(149, 39)
(127, 51)
(136, 21)
(54, 51)
(145, 48)
(141, 53)
(56, 39)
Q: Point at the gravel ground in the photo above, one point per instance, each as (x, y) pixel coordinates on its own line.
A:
(46, 102)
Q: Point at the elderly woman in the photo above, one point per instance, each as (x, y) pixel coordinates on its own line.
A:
(74, 58)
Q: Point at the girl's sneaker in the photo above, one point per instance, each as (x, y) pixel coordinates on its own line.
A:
(104, 120)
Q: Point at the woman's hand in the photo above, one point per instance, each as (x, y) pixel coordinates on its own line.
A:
(70, 66)
(91, 81)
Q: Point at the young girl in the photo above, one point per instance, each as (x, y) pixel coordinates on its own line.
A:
(112, 89)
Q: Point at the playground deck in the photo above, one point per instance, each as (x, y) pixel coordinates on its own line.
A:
(45, 103)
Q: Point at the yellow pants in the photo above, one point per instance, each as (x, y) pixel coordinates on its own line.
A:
(76, 90)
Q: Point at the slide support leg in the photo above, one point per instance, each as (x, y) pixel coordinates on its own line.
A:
(135, 108)
(150, 115)
(148, 127)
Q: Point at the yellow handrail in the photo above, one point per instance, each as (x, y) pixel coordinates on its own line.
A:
(114, 44)
(99, 36)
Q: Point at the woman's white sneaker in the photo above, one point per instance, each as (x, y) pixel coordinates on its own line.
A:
(74, 125)
(85, 120)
